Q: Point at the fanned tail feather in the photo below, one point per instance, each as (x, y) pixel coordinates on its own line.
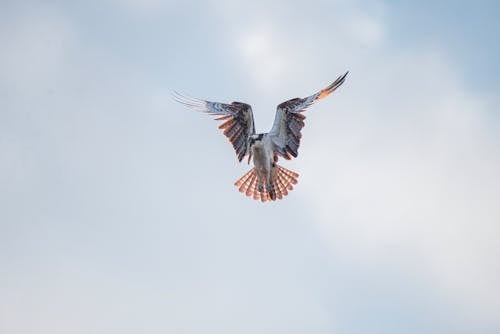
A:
(281, 182)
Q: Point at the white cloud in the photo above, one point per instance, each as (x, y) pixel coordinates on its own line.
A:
(264, 57)
(398, 168)
(408, 174)
(403, 168)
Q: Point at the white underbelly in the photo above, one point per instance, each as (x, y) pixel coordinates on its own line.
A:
(261, 160)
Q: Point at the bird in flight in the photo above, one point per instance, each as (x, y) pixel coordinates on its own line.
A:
(267, 180)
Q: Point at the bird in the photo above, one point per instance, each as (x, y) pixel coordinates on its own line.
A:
(266, 181)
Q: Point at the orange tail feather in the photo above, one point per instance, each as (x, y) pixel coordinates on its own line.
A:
(281, 182)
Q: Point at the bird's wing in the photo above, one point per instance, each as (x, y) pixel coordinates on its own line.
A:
(238, 122)
(289, 120)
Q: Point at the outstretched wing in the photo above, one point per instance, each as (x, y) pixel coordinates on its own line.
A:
(238, 122)
(289, 120)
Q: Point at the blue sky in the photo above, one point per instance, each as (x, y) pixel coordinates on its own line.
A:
(117, 206)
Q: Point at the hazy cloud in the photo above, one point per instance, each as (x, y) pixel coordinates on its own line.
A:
(118, 211)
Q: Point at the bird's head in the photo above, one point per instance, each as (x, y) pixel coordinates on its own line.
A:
(255, 138)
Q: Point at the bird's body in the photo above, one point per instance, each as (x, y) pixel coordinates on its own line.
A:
(262, 155)
(262, 149)
(267, 180)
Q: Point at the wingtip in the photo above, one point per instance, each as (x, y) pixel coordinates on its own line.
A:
(176, 96)
(188, 101)
(340, 80)
(334, 85)
(342, 77)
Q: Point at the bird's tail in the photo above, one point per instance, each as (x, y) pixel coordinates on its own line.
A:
(281, 182)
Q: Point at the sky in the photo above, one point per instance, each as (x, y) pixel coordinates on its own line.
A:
(118, 212)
